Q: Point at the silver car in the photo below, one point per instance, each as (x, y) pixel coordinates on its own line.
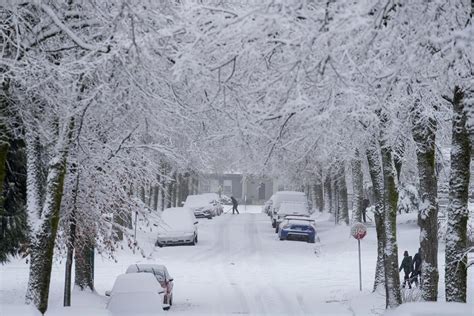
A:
(178, 226)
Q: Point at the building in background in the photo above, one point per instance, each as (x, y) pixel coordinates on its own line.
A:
(249, 189)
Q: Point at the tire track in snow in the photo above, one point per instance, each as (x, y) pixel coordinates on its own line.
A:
(228, 262)
(300, 300)
(215, 249)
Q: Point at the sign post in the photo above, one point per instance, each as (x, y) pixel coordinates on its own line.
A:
(358, 231)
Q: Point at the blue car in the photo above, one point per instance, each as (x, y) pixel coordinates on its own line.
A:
(298, 229)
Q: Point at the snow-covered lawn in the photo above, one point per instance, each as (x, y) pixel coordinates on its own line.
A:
(240, 266)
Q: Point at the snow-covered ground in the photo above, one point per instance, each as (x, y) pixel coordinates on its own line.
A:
(240, 267)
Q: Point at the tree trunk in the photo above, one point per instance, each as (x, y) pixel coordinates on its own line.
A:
(155, 193)
(142, 194)
(70, 246)
(318, 192)
(84, 258)
(169, 193)
(342, 194)
(195, 185)
(375, 171)
(424, 135)
(150, 195)
(174, 195)
(335, 199)
(4, 145)
(68, 271)
(392, 276)
(358, 188)
(163, 193)
(328, 193)
(43, 237)
(458, 213)
(184, 189)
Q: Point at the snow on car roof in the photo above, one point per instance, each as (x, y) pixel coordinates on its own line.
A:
(199, 200)
(145, 267)
(299, 222)
(303, 217)
(289, 196)
(287, 207)
(157, 269)
(136, 282)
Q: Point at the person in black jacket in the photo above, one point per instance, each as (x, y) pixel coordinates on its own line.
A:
(365, 205)
(407, 266)
(416, 268)
(234, 205)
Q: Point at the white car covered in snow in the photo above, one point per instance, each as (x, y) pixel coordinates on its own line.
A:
(286, 197)
(162, 277)
(290, 208)
(178, 227)
(205, 205)
(135, 294)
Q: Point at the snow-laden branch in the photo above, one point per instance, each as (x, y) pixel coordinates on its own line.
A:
(69, 32)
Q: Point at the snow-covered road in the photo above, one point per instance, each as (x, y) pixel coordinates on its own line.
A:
(240, 266)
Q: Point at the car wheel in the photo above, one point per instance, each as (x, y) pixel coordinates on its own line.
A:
(158, 244)
(171, 300)
(281, 238)
(311, 241)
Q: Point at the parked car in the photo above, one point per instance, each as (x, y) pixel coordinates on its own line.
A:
(205, 205)
(286, 196)
(290, 208)
(298, 228)
(137, 293)
(267, 207)
(178, 227)
(162, 276)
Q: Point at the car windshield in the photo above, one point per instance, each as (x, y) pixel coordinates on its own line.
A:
(176, 219)
(135, 282)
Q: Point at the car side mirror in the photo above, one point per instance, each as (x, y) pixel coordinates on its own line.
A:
(107, 293)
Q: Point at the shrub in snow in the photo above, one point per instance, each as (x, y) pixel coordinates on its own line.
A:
(411, 295)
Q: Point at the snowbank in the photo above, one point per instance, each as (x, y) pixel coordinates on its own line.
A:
(432, 309)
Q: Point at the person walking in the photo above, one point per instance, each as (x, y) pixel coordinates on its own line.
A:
(416, 268)
(407, 266)
(365, 205)
(234, 205)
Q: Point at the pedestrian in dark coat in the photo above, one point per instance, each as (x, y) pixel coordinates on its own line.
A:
(365, 205)
(416, 267)
(234, 205)
(407, 266)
